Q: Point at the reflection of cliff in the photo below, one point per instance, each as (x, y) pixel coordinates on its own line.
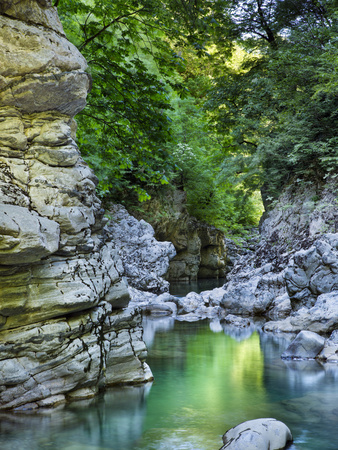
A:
(303, 394)
(61, 290)
(152, 326)
(114, 421)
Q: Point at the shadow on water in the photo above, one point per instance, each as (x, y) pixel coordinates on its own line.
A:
(208, 378)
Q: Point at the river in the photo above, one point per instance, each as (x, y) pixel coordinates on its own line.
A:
(208, 378)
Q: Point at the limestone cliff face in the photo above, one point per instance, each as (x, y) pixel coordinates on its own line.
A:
(145, 260)
(62, 330)
(305, 211)
(292, 277)
(202, 251)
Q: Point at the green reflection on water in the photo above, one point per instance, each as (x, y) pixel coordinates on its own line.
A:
(204, 384)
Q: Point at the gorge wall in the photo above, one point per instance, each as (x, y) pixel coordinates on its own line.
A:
(63, 331)
(292, 278)
(202, 251)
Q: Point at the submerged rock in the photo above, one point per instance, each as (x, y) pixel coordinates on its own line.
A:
(262, 434)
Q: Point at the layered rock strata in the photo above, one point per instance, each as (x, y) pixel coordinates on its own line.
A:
(145, 260)
(63, 333)
(292, 277)
(202, 251)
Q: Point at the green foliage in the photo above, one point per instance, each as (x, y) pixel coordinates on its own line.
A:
(219, 98)
(212, 196)
(125, 126)
(141, 129)
(280, 106)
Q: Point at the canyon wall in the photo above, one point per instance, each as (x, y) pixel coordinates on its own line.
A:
(202, 251)
(292, 277)
(64, 329)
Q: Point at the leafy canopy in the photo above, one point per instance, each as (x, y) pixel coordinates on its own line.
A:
(280, 105)
(123, 130)
(217, 97)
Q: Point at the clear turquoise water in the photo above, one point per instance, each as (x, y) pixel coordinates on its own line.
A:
(207, 379)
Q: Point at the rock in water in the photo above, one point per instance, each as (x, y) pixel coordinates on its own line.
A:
(330, 350)
(306, 345)
(259, 434)
(63, 333)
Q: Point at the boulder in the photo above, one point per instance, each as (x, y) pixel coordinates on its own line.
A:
(240, 322)
(262, 434)
(320, 318)
(160, 309)
(313, 272)
(145, 260)
(213, 297)
(255, 292)
(330, 350)
(190, 303)
(306, 345)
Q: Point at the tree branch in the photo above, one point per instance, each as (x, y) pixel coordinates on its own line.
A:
(117, 19)
(248, 143)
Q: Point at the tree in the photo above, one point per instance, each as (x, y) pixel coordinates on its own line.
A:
(123, 131)
(280, 105)
(212, 196)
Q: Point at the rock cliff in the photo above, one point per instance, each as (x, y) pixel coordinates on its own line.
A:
(63, 333)
(292, 277)
(202, 251)
(144, 259)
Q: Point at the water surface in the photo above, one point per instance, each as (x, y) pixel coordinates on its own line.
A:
(181, 288)
(208, 378)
